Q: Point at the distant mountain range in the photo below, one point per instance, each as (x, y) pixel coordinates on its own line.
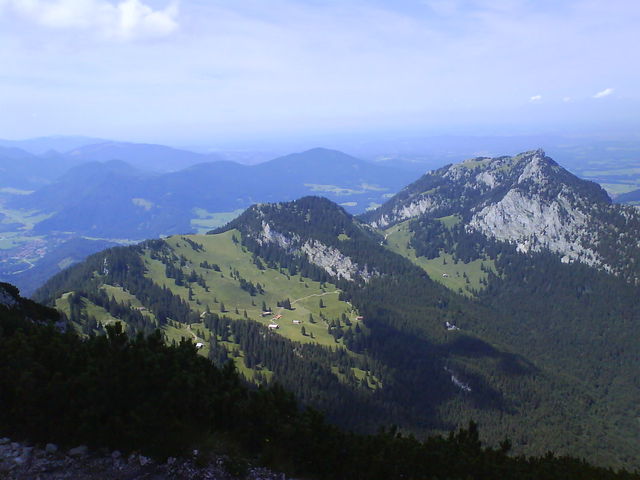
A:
(500, 289)
(57, 143)
(114, 200)
(22, 170)
(163, 190)
(150, 157)
(609, 162)
(632, 197)
(33, 163)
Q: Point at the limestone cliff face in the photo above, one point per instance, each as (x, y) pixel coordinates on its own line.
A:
(330, 259)
(528, 200)
(534, 223)
(420, 205)
(334, 262)
(7, 299)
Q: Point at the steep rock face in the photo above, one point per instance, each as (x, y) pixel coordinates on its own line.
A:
(7, 299)
(269, 235)
(533, 224)
(330, 259)
(528, 200)
(413, 209)
(334, 262)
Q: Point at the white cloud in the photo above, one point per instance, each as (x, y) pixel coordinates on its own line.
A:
(535, 98)
(567, 99)
(604, 93)
(123, 20)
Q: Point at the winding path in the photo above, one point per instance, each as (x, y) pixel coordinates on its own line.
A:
(195, 337)
(280, 309)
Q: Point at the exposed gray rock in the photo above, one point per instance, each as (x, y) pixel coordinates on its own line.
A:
(417, 207)
(530, 201)
(39, 464)
(326, 257)
(269, 235)
(78, 451)
(51, 448)
(6, 299)
(534, 223)
(334, 262)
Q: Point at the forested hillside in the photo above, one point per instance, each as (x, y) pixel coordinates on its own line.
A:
(358, 330)
(550, 305)
(139, 394)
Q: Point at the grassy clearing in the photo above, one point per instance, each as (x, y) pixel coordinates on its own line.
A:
(460, 277)
(474, 163)
(304, 294)
(206, 221)
(335, 189)
(27, 218)
(373, 382)
(237, 355)
(10, 240)
(15, 191)
(122, 296)
(450, 221)
(91, 309)
(314, 305)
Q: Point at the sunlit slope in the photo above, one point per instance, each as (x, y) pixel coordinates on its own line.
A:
(215, 276)
(461, 277)
(226, 266)
(422, 356)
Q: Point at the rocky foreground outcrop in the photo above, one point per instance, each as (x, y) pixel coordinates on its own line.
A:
(19, 461)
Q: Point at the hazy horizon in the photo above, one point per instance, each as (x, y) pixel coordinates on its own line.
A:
(212, 74)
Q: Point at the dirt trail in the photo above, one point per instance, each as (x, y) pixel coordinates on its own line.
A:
(195, 337)
(315, 295)
(280, 309)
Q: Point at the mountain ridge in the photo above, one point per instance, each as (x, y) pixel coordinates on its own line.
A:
(527, 200)
(408, 348)
(161, 204)
(537, 346)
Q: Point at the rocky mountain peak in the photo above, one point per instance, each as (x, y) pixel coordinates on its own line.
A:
(533, 169)
(527, 199)
(313, 227)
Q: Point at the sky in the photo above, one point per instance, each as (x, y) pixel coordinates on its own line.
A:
(206, 72)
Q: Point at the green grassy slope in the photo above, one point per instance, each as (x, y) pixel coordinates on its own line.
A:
(407, 367)
(315, 306)
(224, 289)
(459, 276)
